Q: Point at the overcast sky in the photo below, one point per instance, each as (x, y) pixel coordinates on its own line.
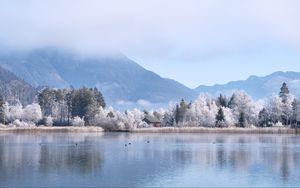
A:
(192, 41)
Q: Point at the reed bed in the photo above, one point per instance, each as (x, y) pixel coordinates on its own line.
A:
(53, 129)
(218, 130)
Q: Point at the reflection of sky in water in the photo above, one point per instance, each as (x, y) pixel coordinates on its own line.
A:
(168, 160)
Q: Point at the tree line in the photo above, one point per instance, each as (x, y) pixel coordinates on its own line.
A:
(237, 111)
(86, 106)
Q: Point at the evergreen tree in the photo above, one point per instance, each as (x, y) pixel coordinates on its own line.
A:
(220, 118)
(222, 101)
(177, 114)
(2, 110)
(99, 98)
(46, 99)
(69, 99)
(180, 111)
(232, 103)
(284, 92)
(242, 120)
(81, 101)
(263, 118)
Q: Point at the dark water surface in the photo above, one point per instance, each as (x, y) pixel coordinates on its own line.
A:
(183, 160)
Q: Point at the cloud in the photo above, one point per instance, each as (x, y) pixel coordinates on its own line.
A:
(172, 28)
(144, 103)
(180, 39)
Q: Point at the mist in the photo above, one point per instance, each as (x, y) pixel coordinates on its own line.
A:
(153, 32)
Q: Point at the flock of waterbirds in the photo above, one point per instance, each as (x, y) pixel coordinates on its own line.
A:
(130, 143)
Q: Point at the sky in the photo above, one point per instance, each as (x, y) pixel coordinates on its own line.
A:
(196, 42)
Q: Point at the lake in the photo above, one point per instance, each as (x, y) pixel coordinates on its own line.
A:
(151, 160)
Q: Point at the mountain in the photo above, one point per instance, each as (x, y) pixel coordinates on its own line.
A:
(12, 88)
(120, 79)
(257, 87)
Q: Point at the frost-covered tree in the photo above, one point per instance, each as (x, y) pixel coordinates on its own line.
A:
(46, 98)
(62, 105)
(202, 112)
(274, 109)
(263, 118)
(49, 121)
(296, 111)
(287, 104)
(241, 104)
(132, 119)
(106, 118)
(168, 119)
(159, 114)
(15, 112)
(78, 122)
(229, 118)
(32, 113)
(2, 110)
(68, 98)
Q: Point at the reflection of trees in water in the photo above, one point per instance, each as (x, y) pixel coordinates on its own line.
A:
(16, 158)
(221, 153)
(72, 158)
(277, 156)
(282, 157)
(271, 154)
(23, 155)
(285, 164)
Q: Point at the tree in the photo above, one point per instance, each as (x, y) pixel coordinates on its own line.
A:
(296, 111)
(32, 113)
(168, 119)
(287, 107)
(242, 120)
(99, 98)
(15, 112)
(263, 118)
(2, 110)
(202, 112)
(284, 92)
(222, 101)
(46, 98)
(220, 118)
(81, 101)
(177, 114)
(180, 111)
(241, 103)
(68, 99)
(274, 109)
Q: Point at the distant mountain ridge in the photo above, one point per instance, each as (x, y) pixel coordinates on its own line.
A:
(257, 87)
(13, 89)
(119, 78)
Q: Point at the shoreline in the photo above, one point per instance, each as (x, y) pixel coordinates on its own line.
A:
(203, 130)
(53, 129)
(196, 130)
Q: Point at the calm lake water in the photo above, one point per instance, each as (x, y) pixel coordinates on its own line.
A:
(182, 160)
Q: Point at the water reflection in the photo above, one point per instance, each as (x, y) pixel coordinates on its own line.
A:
(167, 160)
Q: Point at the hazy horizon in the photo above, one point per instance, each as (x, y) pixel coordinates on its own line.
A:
(193, 42)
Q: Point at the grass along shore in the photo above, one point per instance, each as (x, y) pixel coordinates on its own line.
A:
(199, 130)
(53, 129)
